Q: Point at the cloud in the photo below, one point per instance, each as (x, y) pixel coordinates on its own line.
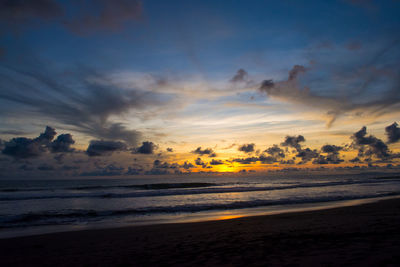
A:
(206, 151)
(331, 149)
(294, 142)
(24, 148)
(275, 151)
(187, 165)
(295, 71)
(161, 168)
(375, 146)
(200, 162)
(356, 160)
(248, 160)
(216, 162)
(307, 154)
(169, 149)
(332, 156)
(62, 143)
(84, 101)
(104, 148)
(247, 148)
(358, 87)
(393, 133)
(262, 158)
(240, 76)
(145, 148)
(267, 159)
(48, 135)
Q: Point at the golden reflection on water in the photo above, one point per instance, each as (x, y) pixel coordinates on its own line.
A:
(228, 217)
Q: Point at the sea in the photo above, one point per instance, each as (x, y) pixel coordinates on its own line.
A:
(37, 206)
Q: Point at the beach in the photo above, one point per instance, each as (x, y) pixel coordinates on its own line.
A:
(363, 235)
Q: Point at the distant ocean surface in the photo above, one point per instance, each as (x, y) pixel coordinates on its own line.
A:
(39, 206)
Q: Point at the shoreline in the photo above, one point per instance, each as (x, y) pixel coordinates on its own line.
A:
(199, 217)
(366, 234)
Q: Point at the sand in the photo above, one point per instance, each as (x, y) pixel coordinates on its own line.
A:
(365, 235)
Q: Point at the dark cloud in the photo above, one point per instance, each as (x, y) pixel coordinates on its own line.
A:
(355, 160)
(161, 168)
(104, 148)
(295, 71)
(240, 76)
(247, 148)
(307, 154)
(187, 165)
(332, 156)
(216, 162)
(62, 143)
(170, 149)
(206, 151)
(200, 162)
(145, 148)
(329, 159)
(164, 165)
(369, 145)
(275, 151)
(84, 100)
(290, 91)
(372, 85)
(294, 142)
(262, 158)
(248, 160)
(23, 148)
(266, 86)
(267, 159)
(331, 149)
(288, 162)
(47, 136)
(393, 133)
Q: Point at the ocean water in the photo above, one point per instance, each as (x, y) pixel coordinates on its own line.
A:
(40, 206)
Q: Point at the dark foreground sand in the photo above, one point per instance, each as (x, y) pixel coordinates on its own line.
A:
(366, 235)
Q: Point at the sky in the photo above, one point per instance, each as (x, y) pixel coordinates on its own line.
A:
(129, 87)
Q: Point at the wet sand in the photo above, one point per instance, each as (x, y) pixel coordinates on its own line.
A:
(365, 235)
